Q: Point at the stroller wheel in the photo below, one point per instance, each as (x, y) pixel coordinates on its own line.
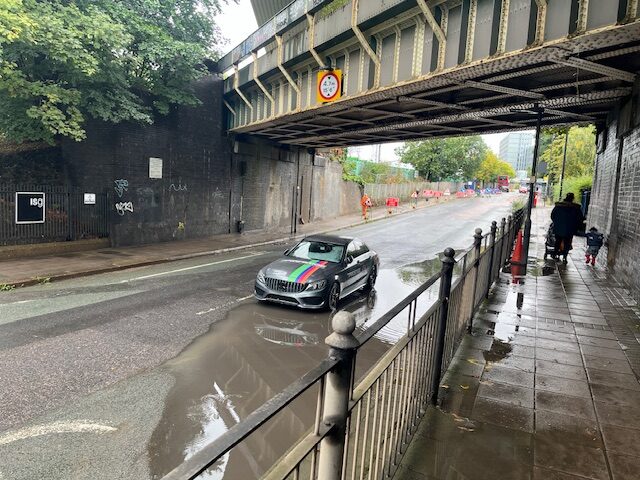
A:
(545, 255)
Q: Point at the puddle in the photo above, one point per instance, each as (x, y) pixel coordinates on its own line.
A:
(254, 353)
(499, 351)
(244, 360)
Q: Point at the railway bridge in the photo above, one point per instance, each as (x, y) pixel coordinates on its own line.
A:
(430, 68)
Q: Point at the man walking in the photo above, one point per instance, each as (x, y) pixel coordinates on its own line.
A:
(567, 219)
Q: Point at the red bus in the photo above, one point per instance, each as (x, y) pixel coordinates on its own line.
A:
(503, 183)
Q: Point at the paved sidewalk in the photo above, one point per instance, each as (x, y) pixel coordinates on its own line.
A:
(27, 271)
(546, 387)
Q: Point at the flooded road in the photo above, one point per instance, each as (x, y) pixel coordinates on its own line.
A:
(191, 352)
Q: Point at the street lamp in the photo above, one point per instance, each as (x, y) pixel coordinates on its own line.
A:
(538, 111)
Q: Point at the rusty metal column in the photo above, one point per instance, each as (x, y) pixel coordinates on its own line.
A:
(441, 333)
(477, 244)
(337, 394)
(494, 229)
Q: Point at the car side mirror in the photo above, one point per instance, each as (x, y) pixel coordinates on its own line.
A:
(348, 259)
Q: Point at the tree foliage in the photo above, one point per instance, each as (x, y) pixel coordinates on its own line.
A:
(581, 153)
(113, 60)
(492, 167)
(455, 158)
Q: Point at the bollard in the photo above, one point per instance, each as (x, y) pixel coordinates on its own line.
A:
(510, 237)
(445, 292)
(494, 229)
(337, 394)
(477, 245)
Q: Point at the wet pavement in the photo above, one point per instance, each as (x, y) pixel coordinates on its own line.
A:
(546, 387)
(125, 374)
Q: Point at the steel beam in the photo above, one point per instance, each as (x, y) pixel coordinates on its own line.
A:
(311, 22)
(583, 10)
(553, 103)
(284, 71)
(365, 45)
(236, 87)
(503, 27)
(603, 70)
(500, 89)
(261, 85)
(471, 31)
(431, 103)
(438, 31)
(541, 21)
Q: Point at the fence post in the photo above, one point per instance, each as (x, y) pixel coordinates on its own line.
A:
(509, 237)
(494, 229)
(445, 292)
(337, 393)
(503, 225)
(477, 245)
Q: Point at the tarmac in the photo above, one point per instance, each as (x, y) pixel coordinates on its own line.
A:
(19, 272)
(546, 386)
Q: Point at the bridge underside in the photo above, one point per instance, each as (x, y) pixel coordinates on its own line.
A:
(576, 80)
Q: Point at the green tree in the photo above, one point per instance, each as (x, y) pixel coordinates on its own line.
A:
(62, 61)
(581, 153)
(491, 167)
(455, 158)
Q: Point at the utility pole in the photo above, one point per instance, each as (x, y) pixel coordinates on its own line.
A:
(532, 186)
(564, 162)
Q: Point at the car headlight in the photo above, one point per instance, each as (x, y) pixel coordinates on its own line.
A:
(317, 285)
(260, 278)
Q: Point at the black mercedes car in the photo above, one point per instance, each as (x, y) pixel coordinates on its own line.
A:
(318, 272)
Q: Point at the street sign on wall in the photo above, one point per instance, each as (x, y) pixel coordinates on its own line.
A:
(30, 207)
(329, 88)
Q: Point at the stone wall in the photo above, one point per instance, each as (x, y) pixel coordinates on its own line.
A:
(615, 198)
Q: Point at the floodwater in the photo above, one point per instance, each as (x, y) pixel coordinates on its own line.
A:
(254, 353)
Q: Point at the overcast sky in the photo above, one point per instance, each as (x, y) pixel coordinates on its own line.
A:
(238, 22)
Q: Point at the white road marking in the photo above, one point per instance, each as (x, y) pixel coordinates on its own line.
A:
(144, 277)
(16, 303)
(226, 305)
(79, 426)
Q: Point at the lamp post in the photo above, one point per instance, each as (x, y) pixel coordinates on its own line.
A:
(532, 186)
(564, 162)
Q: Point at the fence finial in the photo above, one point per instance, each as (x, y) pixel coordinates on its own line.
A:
(343, 325)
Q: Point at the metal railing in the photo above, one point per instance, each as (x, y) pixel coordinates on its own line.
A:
(67, 217)
(361, 430)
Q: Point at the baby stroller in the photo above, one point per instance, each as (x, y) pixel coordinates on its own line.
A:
(550, 244)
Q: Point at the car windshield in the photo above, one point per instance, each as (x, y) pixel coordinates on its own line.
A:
(312, 250)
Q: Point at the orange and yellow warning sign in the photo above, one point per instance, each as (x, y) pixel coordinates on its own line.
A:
(329, 85)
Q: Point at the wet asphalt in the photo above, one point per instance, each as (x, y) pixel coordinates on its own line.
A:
(126, 374)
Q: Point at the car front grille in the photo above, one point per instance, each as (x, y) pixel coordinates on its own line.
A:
(284, 285)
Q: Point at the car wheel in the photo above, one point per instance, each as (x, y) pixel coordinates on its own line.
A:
(371, 279)
(333, 297)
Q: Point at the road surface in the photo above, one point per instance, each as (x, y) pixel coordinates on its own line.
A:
(124, 375)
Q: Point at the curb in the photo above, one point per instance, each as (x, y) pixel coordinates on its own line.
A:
(186, 256)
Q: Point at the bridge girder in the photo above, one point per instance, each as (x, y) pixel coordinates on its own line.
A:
(414, 81)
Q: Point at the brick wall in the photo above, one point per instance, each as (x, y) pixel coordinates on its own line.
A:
(209, 181)
(616, 211)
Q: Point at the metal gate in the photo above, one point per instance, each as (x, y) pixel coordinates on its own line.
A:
(67, 216)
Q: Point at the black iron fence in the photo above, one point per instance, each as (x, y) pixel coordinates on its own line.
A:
(363, 426)
(68, 215)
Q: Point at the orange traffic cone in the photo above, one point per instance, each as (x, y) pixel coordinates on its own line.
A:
(517, 259)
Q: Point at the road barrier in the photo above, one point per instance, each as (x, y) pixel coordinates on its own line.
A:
(364, 426)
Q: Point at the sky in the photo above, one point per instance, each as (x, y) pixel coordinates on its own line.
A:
(237, 22)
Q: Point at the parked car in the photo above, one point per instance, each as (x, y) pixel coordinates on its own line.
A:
(523, 190)
(318, 272)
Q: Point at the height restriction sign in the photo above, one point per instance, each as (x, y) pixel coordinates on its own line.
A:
(329, 85)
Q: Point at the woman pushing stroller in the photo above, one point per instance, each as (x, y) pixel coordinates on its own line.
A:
(567, 219)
